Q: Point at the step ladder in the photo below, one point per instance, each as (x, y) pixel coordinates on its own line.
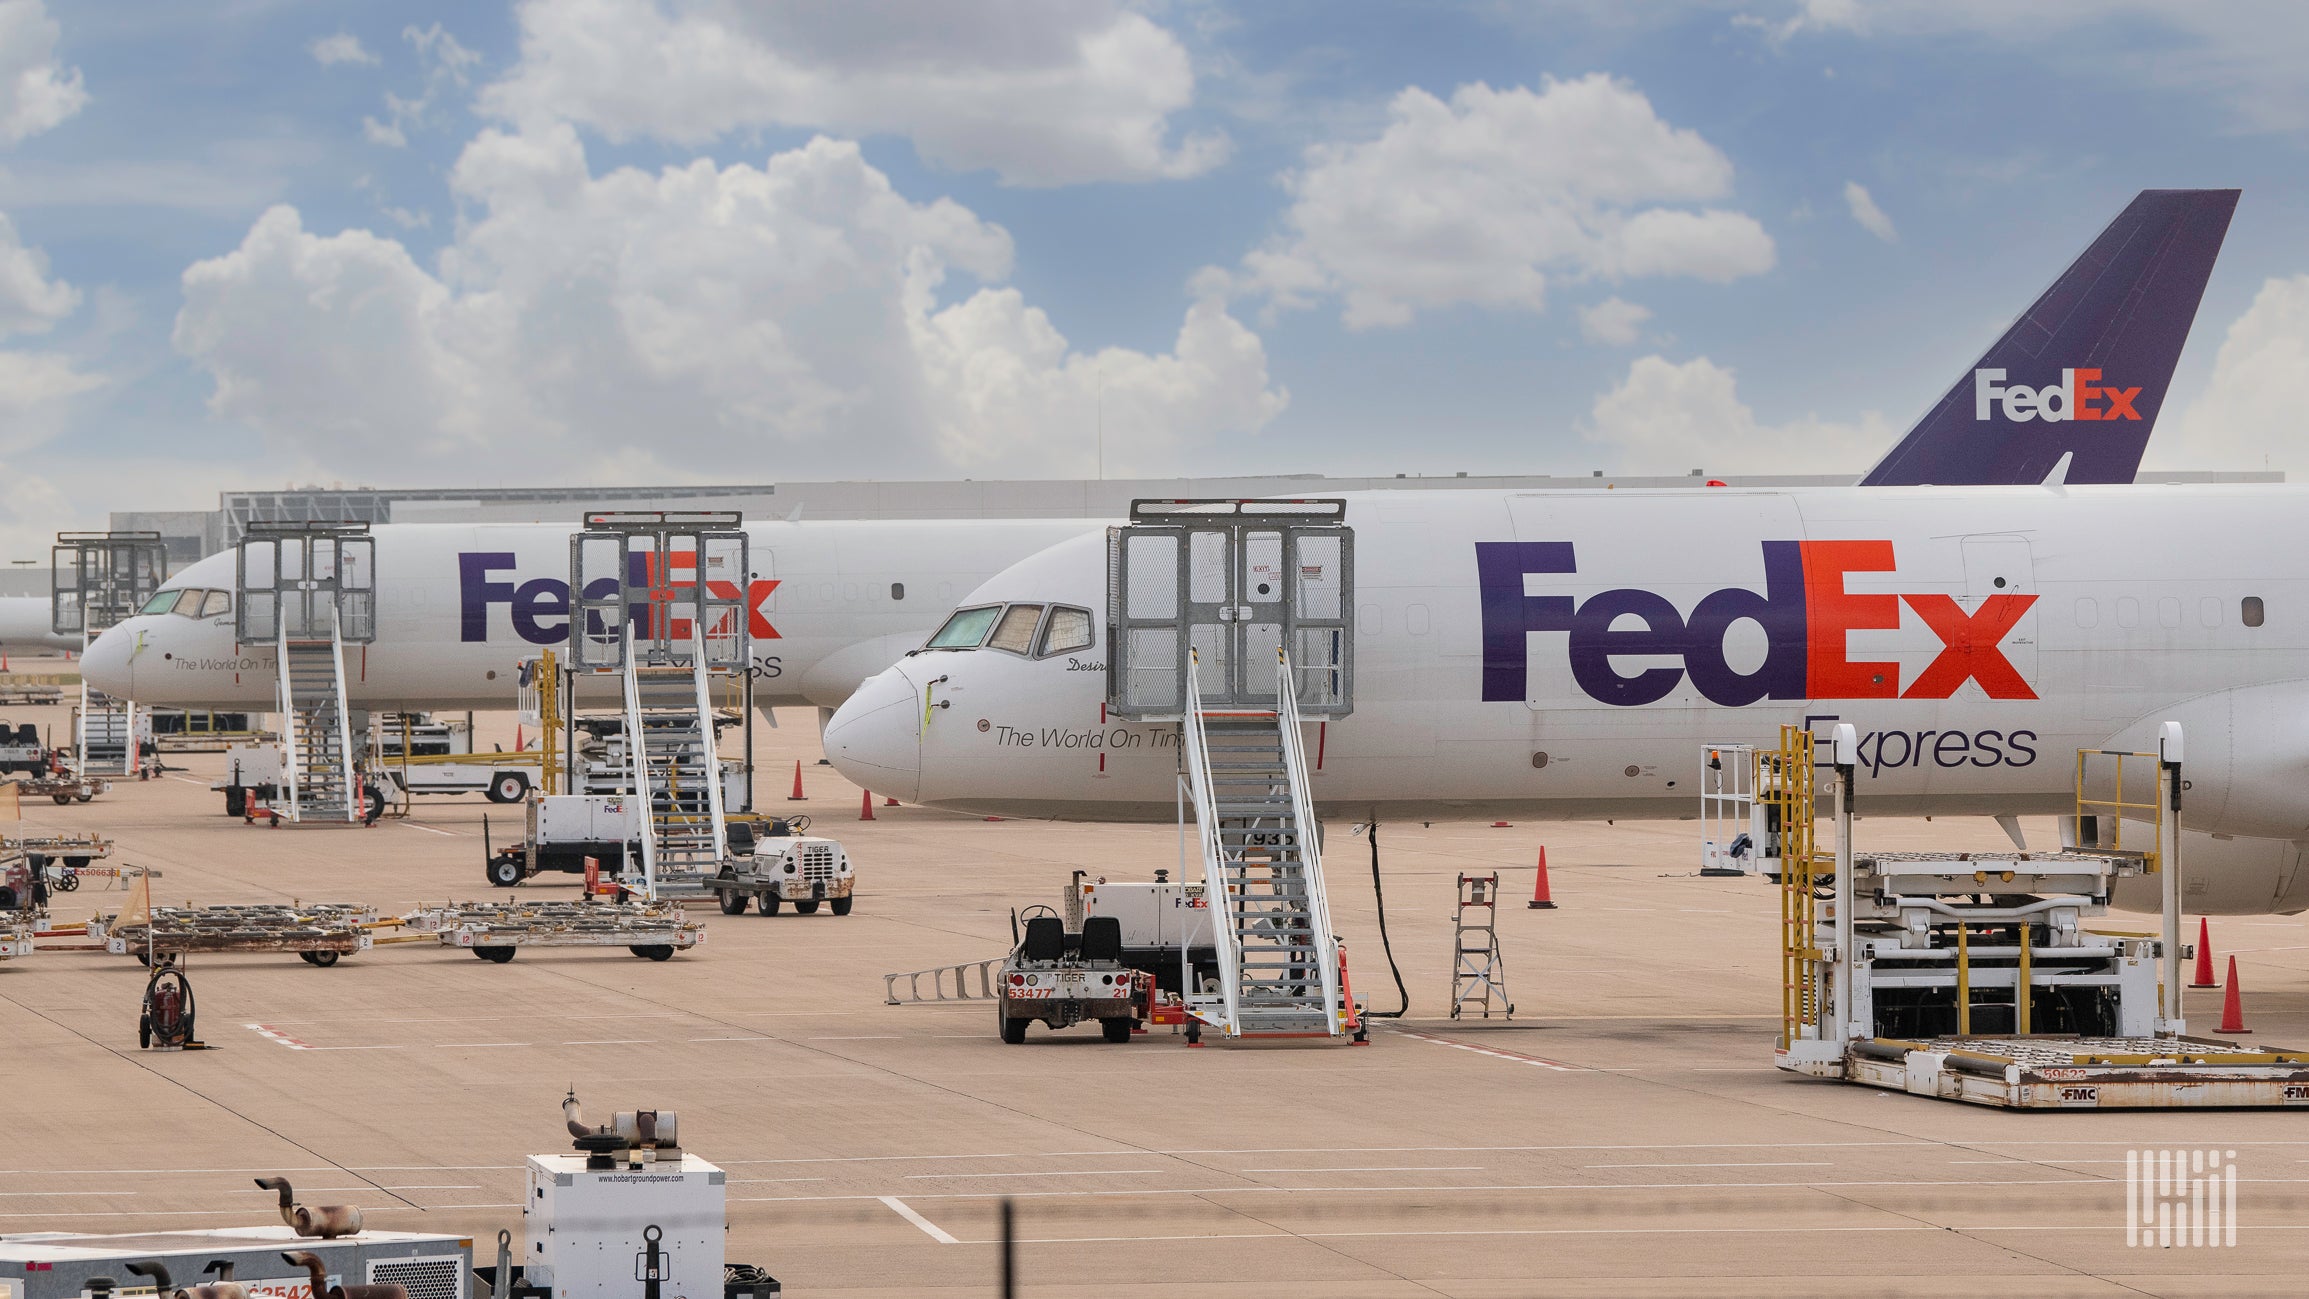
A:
(675, 771)
(316, 730)
(104, 735)
(1479, 977)
(99, 580)
(1263, 869)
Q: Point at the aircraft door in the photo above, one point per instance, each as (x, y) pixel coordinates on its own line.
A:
(2000, 565)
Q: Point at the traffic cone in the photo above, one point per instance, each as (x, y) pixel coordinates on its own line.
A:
(1539, 899)
(796, 796)
(518, 743)
(2204, 977)
(889, 802)
(866, 806)
(2232, 1005)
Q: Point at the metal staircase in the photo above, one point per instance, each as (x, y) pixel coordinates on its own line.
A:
(317, 729)
(309, 590)
(1231, 618)
(1263, 865)
(99, 579)
(659, 599)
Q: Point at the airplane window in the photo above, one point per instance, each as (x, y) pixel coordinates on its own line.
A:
(162, 601)
(1016, 630)
(1067, 629)
(897, 590)
(217, 604)
(966, 629)
(2251, 612)
(188, 602)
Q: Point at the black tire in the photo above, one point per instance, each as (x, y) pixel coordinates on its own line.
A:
(504, 872)
(85, 798)
(770, 902)
(322, 959)
(508, 787)
(62, 799)
(495, 955)
(1115, 1030)
(375, 803)
(1013, 1030)
(805, 906)
(842, 905)
(734, 902)
(654, 951)
(75, 863)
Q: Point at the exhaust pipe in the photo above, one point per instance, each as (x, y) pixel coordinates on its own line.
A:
(325, 1222)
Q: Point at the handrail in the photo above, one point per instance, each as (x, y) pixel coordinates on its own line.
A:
(1310, 841)
(356, 798)
(1226, 925)
(637, 760)
(290, 767)
(707, 740)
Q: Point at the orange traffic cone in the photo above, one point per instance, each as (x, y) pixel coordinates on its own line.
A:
(866, 806)
(889, 802)
(2204, 977)
(1539, 899)
(796, 796)
(518, 743)
(2232, 1005)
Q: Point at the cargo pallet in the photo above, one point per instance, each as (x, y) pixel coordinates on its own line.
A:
(495, 931)
(319, 933)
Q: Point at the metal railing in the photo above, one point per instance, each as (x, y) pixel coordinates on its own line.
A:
(1310, 850)
(1215, 889)
(637, 761)
(1785, 782)
(2116, 806)
(939, 977)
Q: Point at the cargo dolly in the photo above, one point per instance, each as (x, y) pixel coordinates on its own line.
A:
(494, 931)
(318, 933)
(64, 786)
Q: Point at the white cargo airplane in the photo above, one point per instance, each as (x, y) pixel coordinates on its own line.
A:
(27, 625)
(460, 607)
(1568, 654)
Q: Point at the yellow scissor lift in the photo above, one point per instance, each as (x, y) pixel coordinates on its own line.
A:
(1970, 975)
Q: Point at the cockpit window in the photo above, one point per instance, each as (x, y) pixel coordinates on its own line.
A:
(1066, 629)
(1016, 630)
(217, 604)
(162, 601)
(966, 629)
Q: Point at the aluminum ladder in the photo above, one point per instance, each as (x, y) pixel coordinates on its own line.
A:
(675, 772)
(317, 730)
(1263, 867)
(1478, 976)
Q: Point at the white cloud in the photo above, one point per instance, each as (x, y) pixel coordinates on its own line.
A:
(2250, 414)
(685, 323)
(30, 302)
(36, 92)
(344, 47)
(447, 65)
(1613, 321)
(1044, 92)
(1864, 210)
(1479, 200)
(1666, 418)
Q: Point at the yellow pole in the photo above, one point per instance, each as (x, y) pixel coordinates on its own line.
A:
(1963, 979)
(2021, 989)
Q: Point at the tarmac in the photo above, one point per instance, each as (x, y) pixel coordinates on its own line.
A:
(1624, 1134)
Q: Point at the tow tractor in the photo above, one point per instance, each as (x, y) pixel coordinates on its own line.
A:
(21, 749)
(1063, 978)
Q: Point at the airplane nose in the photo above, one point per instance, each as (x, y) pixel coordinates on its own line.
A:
(875, 738)
(109, 664)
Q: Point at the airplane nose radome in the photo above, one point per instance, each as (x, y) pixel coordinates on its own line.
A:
(875, 739)
(106, 664)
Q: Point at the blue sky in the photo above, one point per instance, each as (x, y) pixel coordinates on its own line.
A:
(591, 240)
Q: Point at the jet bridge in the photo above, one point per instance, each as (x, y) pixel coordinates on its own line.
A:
(1230, 617)
(658, 600)
(308, 590)
(99, 579)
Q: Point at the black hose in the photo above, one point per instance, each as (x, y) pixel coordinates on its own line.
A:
(1379, 896)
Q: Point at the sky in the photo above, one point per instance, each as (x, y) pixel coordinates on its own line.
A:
(250, 243)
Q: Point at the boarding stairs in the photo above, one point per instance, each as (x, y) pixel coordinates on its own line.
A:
(104, 735)
(98, 580)
(316, 730)
(1263, 864)
(669, 751)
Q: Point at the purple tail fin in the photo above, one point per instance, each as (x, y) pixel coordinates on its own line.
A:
(2094, 354)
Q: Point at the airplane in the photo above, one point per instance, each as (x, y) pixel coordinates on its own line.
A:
(459, 607)
(27, 625)
(1568, 654)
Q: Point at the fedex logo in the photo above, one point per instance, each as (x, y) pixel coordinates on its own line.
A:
(1804, 609)
(2078, 396)
(540, 606)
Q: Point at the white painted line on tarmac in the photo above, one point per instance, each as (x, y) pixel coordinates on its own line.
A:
(190, 781)
(1081, 1172)
(1399, 1168)
(443, 1187)
(611, 1041)
(733, 1039)
(446, 834)
(447, 1045)
(929, 1228)
(1515, 1056)
(271, 1034)
(1770, 1164)
(45, 1194)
